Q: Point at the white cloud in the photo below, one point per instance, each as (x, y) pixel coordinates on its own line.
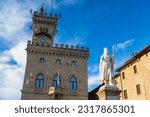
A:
(18, 53)
(12, 75)
(13, 21)
(14, 17)
(93, 68)
(94, 79)
(11, 81)
(120, 60)
(124, 44)
(4, 58)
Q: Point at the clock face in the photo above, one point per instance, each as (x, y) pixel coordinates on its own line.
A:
(43, 40)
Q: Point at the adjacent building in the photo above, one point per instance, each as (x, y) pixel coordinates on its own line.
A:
(133, 77)
(53, 71)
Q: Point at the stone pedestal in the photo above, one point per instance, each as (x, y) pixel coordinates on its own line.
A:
(109, 92)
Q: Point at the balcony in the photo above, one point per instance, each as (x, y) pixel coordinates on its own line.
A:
(53, 90)
(55, 93)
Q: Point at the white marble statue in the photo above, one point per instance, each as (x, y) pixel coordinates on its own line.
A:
(107, 68)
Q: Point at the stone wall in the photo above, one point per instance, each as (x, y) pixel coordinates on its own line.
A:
(132, 79)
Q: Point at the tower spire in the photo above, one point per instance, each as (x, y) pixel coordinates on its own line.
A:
(51, 7)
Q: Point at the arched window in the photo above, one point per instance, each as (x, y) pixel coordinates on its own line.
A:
(73, 83)
(57, 81)
(40, 81)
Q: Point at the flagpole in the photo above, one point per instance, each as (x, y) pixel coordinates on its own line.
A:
(51, 7)
(58, 82)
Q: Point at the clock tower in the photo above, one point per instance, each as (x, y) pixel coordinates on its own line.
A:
(43, 27)
(53, 71)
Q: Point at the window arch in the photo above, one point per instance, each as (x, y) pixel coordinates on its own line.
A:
(40, 81)
(57, 81)
(73, 83)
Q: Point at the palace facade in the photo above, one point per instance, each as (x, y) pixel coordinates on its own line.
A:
(53, 71)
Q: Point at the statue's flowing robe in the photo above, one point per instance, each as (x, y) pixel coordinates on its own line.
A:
(105, 67)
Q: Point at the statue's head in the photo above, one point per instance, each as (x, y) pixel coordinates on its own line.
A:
(105, 51)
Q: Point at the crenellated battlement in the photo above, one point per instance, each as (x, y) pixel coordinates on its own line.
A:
(45, 18)
(71, 47)
(62, 46)
(42, 13)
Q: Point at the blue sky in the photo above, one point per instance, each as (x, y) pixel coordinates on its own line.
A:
(91, 23)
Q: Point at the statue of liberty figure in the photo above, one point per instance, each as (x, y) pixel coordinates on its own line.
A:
(107, 68)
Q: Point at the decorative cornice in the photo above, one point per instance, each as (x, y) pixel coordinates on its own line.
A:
(74, 51)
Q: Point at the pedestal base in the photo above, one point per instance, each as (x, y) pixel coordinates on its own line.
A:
(109, 92)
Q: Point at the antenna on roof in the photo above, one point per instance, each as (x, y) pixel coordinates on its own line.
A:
(51, 7)
(132, 54)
